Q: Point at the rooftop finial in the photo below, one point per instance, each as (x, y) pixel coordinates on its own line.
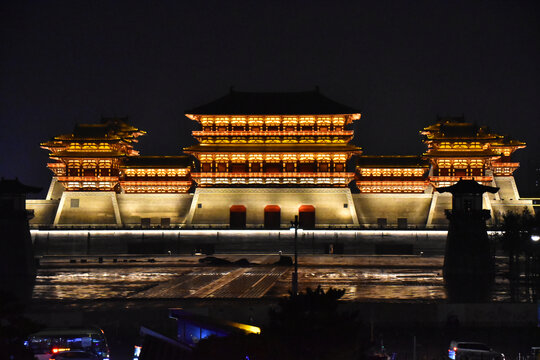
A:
(231, 89)
(317, 89)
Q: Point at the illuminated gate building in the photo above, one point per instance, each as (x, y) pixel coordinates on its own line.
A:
(261, 159)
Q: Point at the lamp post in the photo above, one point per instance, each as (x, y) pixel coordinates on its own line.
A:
(294, 227)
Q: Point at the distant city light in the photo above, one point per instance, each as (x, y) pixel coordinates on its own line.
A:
(535, 237)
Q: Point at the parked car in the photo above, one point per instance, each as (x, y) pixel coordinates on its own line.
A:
(466, 350)
(534, 354)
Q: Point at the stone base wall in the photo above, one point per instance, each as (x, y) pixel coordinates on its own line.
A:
(333, 207)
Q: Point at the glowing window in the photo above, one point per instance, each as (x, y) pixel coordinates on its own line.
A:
(290, 121)
(272, 158)
(272, 121)
(324, 121)
(255, 157)
(238, 181)
(307, 157)
(460, 164)
(238, 121)
(89, 164)
(307, 120)
(323, 157)
(445, 145)
(289, 157)
(236, 158)
(444, 164)
(221, 121)
(339, 157)
(255, 121)
(222, 157)
(207, 121)
(89, 146)
(477, 164)
(338, 120)
(460, 145)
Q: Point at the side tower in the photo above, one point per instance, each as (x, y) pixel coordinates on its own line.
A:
(89, 159)
(102, 180)
(458, 149)
(461, 150)
(292, 147)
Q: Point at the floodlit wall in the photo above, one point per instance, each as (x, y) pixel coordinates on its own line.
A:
(372, 207)
(440, 203)
(134, 207)
(210, 207)
(507, 198)
(88, 208)
(333, 207)
(44, 211)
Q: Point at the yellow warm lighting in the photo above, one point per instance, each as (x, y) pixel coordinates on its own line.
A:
(306, 157)
(255, 157)
(238, 157)
(460, 164)
(272, 158)
(307, 120)
(339, 157)
(272, 121)
(338, 120)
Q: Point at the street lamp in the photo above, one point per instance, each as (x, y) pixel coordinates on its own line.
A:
(294, 227)
(535, 236)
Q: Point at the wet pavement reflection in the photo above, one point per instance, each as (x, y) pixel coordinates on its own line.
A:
(365, 278)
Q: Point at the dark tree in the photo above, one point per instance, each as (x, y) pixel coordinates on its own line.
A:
(306, 326)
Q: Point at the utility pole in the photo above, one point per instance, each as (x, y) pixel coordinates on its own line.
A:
(294, 226)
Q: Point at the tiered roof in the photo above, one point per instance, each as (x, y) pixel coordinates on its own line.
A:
(270, 103)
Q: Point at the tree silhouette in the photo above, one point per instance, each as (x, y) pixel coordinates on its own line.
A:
(305, 326)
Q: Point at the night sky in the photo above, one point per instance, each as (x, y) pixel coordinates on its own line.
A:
(401, 63)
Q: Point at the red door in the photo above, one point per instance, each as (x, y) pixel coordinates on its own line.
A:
(306, 217)
(237, 218)
(272, 217)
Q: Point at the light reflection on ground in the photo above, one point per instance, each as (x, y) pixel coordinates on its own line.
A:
(366, 278)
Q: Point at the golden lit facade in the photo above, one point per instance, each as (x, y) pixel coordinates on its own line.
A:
(156, 174)
(283, 144)
(392, 174)
(101, 157)
(457, 149)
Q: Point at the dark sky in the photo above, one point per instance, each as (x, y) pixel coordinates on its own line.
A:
(400, 62)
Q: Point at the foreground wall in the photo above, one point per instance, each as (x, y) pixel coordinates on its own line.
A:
(174, 241)
(334, 207)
